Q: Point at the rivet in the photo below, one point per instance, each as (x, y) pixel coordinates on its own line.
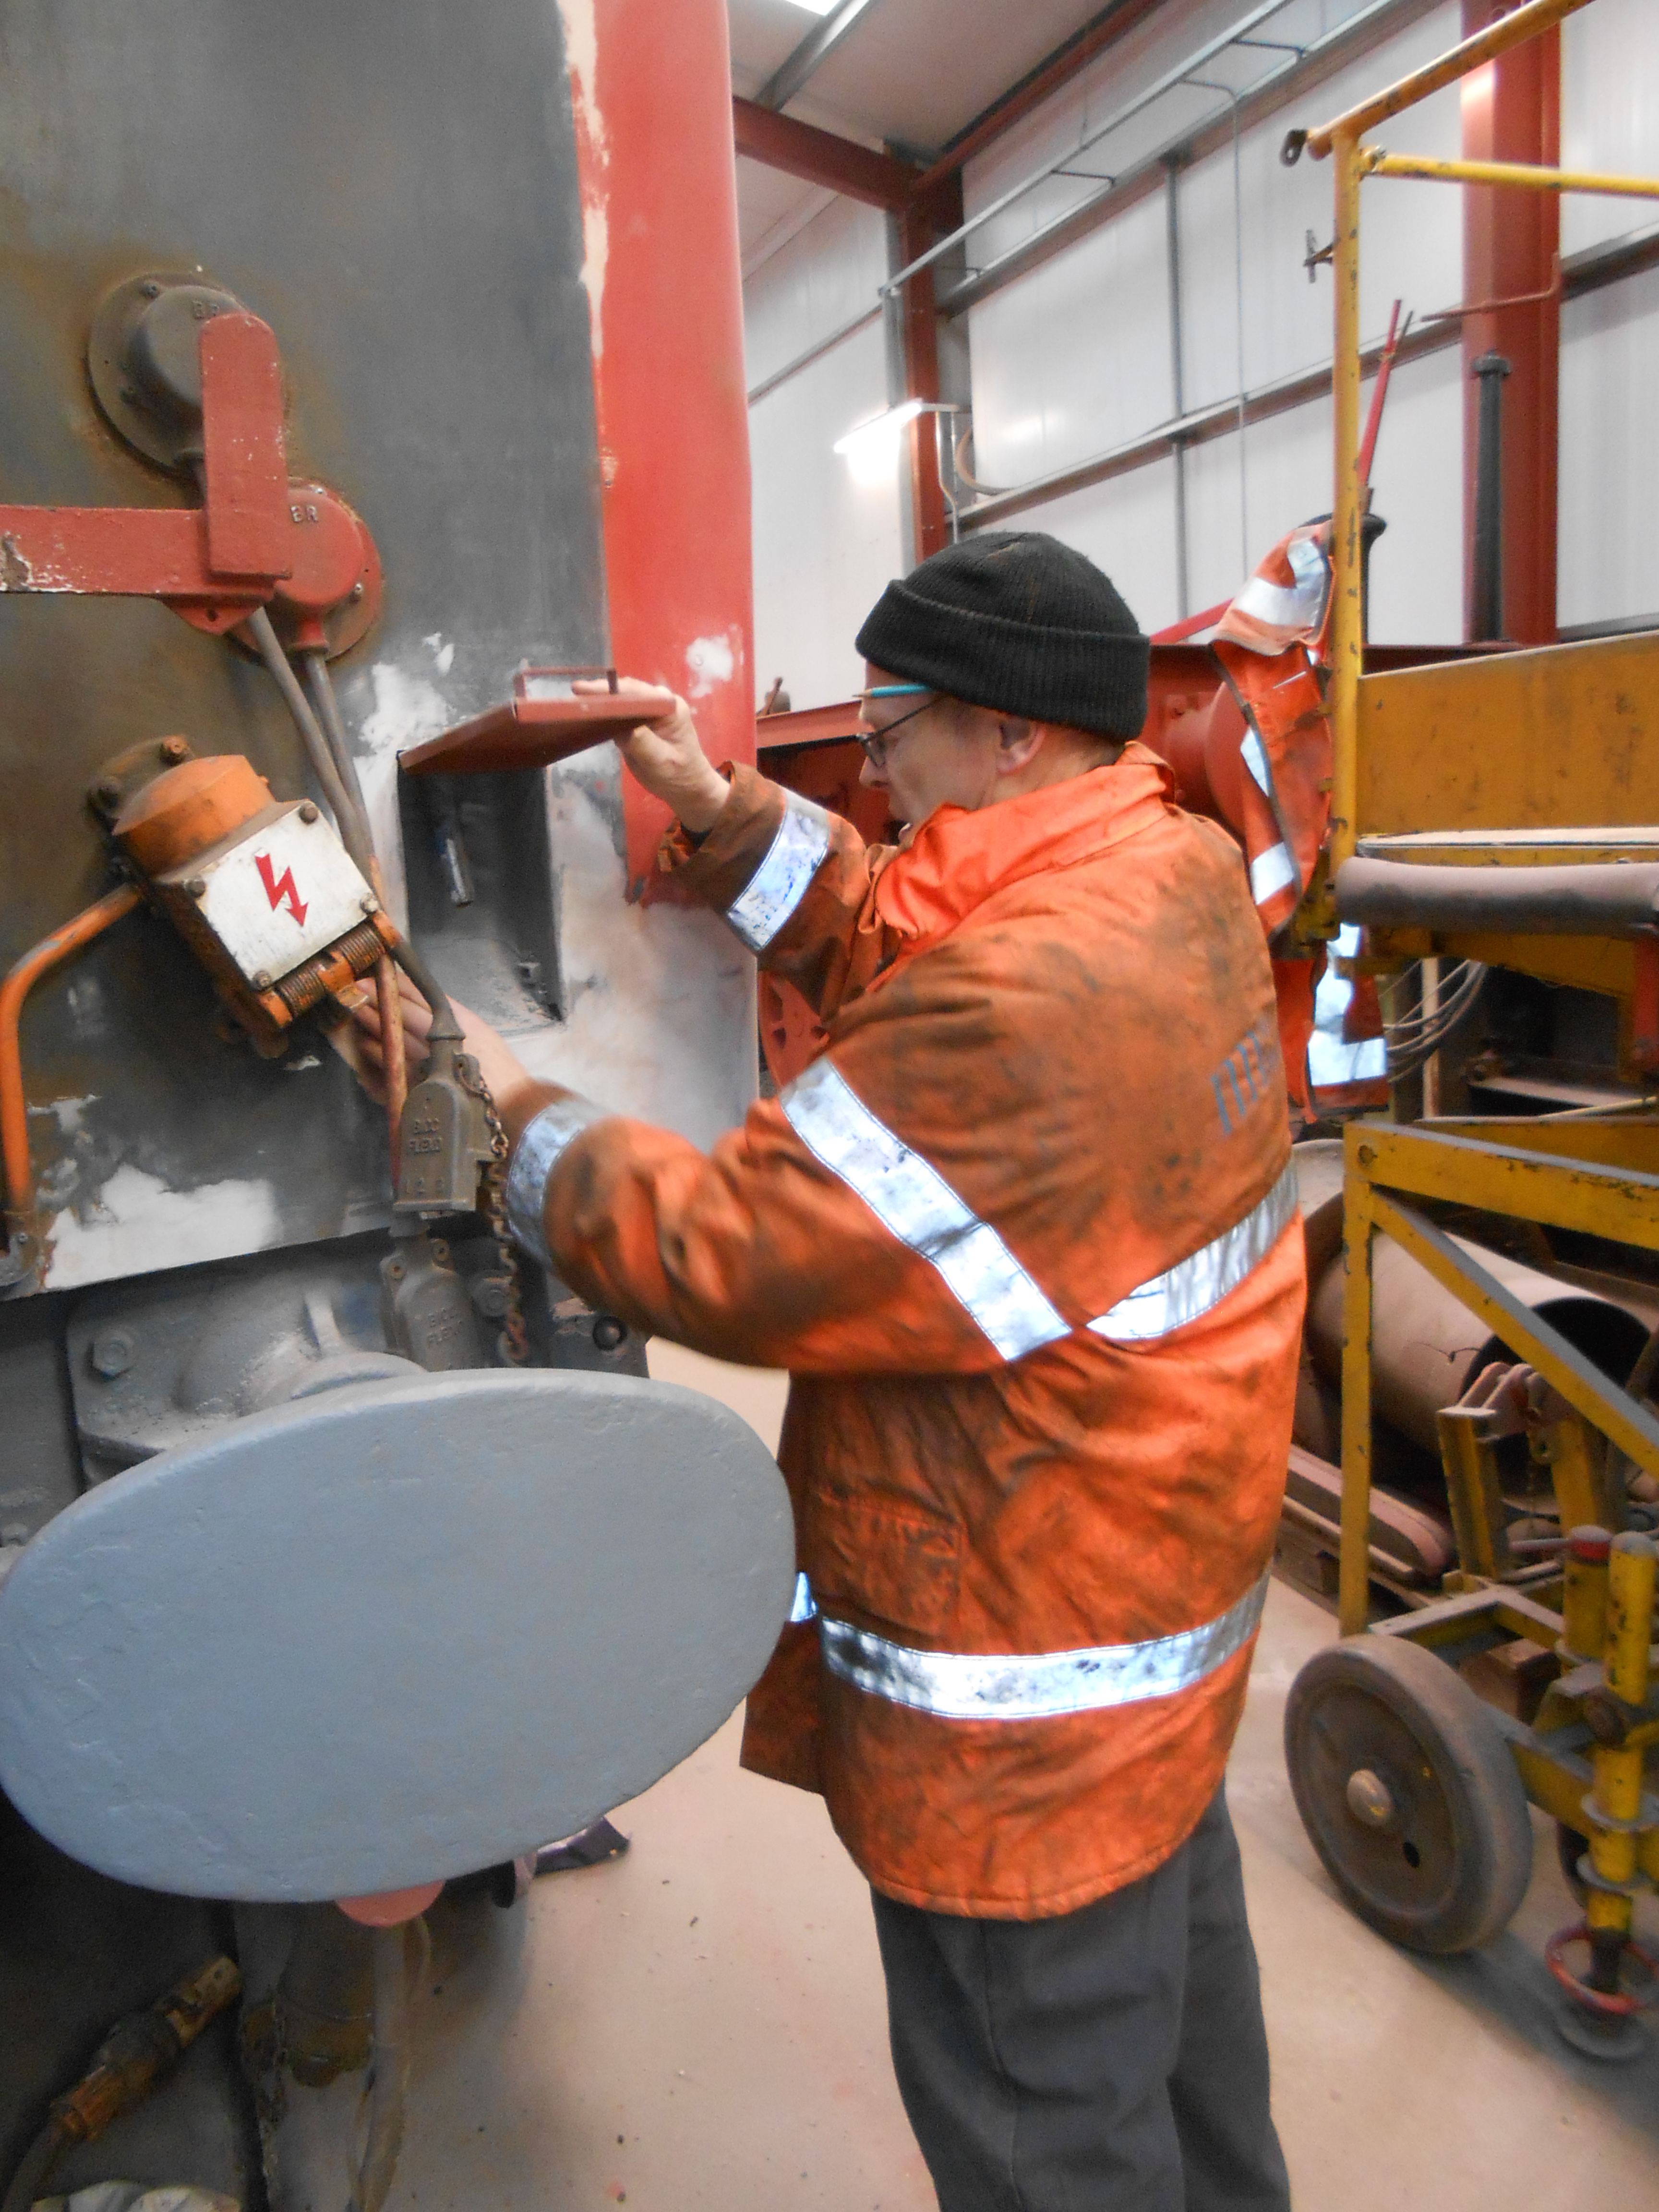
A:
(608, 1332)
(113, 1352)
(357, 589)
(369, 903)
(308, 810)
(262, 980)
(173, 748)
(108, 789)
(196, 887)
(151, 289)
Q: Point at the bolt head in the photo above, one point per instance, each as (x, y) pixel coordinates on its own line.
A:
(113, 1352)
(490, 1296)
(308, 810)
(262, 980)
(357, 589)
(151, 289)
(369, 903)
(1369, 1799)
(173, 748)
(106, 790)
(196, 887)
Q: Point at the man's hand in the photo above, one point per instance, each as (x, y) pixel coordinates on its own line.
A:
(668, 760)
(500, 1066)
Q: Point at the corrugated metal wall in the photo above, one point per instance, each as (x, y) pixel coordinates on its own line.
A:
(1075, 358)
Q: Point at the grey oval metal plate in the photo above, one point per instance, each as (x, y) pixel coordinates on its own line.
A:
(395, 1633)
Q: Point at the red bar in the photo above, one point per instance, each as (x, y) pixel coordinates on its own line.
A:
(246, 468)
(132, 552)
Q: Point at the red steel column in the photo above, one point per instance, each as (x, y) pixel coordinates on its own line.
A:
(652, 90)
(930, 216)
(1511, 245)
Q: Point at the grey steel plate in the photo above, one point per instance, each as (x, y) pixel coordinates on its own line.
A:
(395, 1633)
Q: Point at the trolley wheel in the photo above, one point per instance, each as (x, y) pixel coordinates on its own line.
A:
(1408, 1793)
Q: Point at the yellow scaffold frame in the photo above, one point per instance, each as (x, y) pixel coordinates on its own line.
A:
(1602, 1177)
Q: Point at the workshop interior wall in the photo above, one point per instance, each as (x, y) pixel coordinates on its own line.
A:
(828, 533)
(1609, 481)
(1075, 359)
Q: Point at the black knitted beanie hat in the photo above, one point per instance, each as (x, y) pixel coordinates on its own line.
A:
(1015, 621)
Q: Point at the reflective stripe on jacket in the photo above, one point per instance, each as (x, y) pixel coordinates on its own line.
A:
(1024, 1236)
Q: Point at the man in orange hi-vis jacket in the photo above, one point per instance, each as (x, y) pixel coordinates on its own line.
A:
(1024, 1236)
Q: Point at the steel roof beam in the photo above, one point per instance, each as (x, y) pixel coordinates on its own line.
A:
(814, 49)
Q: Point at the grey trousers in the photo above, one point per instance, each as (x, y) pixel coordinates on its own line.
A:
(1111, 2060)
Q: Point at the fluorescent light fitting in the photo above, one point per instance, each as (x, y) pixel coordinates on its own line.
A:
(879, 429)
(814, 7)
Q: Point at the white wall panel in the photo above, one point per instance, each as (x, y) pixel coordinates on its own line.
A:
(1127, 527)
(1411, 234)
(1417, 569)
(827, 274)
(1609, 114)
(1609, 558)
(1075, 359)
(827, 533)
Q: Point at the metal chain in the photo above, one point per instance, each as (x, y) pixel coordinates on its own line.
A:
(513, 1342)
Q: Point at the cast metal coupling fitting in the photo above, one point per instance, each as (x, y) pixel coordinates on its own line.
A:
(140, 2049)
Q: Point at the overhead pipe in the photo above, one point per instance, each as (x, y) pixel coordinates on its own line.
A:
(1599, 899)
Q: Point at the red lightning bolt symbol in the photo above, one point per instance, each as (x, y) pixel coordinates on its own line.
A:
(281, 890)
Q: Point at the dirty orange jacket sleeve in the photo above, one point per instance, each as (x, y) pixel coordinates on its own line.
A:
(832, 943)
(755, 1253)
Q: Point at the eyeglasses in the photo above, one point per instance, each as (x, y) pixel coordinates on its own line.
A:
(877, 742)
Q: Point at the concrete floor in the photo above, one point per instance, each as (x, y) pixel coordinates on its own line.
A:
(699, 2027)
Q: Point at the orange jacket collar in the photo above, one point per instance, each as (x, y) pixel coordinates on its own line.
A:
(959, 857)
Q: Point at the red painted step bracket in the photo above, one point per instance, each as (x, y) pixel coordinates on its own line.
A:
(232, 550)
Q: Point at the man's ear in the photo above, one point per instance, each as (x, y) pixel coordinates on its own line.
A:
(1018, 743)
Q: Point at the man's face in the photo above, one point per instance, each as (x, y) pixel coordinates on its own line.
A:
(944, 755)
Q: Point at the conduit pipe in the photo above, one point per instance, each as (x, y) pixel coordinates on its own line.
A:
(1599, 899)
(49, 953)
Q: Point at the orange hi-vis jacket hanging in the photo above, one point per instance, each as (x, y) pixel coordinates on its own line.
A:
(1024, 1234)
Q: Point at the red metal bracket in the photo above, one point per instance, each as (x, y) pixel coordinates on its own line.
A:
(232, 550)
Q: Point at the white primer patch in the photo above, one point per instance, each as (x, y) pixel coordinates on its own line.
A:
(581, 49)
(660, 999)
(711, 661)
(139, 1224)
(442, 654)
(408, 708)
(68, 1113)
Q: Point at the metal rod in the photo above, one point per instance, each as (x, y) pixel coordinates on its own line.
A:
(1526, 175)
(1347, 508)
(1497, 39)
(1353, 1593)
(1486, 574)
(1177, 375)
(1118, 116)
